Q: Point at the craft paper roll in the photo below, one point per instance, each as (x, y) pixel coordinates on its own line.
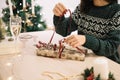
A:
(101, 67)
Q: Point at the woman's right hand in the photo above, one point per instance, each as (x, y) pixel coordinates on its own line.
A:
(59, 9)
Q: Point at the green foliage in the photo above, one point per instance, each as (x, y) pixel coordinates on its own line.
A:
(88, 72)
(88, 75)
(111, 76)
(98, 77)
(29, 22)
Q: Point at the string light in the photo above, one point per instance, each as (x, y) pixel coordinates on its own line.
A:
(9, 64)
(19, 55)
(20, 3)
(18, 12)
(10, 78)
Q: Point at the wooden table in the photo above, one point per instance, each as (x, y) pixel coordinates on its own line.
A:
(28, 66)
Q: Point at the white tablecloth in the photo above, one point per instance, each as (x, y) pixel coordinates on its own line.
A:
(28, 66)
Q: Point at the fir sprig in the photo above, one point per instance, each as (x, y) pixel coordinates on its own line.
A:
(89, 75)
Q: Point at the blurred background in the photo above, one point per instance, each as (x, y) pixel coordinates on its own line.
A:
(47, 7)
(43, 13)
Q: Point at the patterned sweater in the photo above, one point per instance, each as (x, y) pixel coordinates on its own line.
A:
(100, 25)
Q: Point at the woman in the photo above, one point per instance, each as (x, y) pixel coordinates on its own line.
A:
(98, 25)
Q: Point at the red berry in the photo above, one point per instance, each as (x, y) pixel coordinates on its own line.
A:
(91, 77)
(38, 46)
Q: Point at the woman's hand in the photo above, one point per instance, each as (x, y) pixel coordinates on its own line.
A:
(59, 9)
(75, 40)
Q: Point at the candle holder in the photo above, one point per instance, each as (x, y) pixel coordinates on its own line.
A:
(33, 15)
(15, 26)
(24, 9)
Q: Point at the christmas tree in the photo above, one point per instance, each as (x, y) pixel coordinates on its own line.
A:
(29, 13)
(1, 30)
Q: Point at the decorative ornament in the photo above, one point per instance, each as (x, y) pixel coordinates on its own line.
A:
(89, 75)
(29, 13)
(13, 7)
(39, 25)
(29, 23)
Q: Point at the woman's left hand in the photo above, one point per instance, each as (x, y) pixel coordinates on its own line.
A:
(75, 40)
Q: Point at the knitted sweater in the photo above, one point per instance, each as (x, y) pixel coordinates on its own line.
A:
(101, 27)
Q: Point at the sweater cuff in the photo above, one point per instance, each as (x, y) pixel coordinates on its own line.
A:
(58, 17)
(91, 43)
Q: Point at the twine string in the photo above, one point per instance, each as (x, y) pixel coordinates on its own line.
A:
(63, 77)
(61, 47)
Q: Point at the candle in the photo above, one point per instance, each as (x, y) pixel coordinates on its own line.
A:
(101, 67)
(10, 7)
(32, 2)
(24, 4)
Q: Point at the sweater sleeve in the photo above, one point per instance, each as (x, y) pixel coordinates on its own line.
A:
(104, 47)
(64, 26)
(108, 46)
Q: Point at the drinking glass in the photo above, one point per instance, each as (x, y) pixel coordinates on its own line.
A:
(15, 26)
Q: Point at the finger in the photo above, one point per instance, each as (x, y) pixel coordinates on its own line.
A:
(70, 41)
(73, 44)
(76, 45)
(63, 8)
(57, 12)
(60, 8)
(69, 38)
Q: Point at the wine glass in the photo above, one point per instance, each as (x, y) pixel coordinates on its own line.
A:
(15, 26)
